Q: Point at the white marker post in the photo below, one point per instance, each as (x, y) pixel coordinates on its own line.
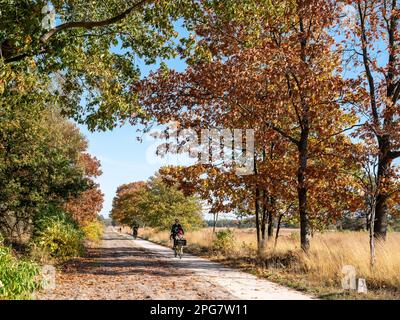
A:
(349, 280)
(48, 277)
(362, 286)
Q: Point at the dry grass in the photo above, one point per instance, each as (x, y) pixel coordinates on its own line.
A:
(332, 250)
(320, 271)
(204, 237)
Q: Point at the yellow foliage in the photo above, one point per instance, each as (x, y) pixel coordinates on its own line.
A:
(93, 231)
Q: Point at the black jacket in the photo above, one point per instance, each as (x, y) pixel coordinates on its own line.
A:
(175, 229)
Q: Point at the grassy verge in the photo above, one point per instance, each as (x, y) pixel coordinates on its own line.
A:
(318, 273)
(56, 240)
(18, 275)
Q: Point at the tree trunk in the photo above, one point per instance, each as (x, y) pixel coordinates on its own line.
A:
(372, 238)
(380, 224)
(256, 209)
(271, 220)
(368, 221)
(278, 227)
(263, 240)
(271, 210)
(302, 146)
(302, 191)
(257, 204)
(215, 222)
(381, 207)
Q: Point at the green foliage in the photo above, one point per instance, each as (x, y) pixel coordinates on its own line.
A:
(126, 204)
(18, 278)
(394, 223)
(36, 163)
(162, 204)
(224, 241)
(92, 80)
(58, 234)
(93, 231)
(351, 221)
(156, 205)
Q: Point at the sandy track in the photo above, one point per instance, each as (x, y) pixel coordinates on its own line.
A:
(123, 268)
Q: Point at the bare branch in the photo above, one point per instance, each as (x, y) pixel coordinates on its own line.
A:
(394, 154)
(340, 132)
(273, 127)
(91, 24)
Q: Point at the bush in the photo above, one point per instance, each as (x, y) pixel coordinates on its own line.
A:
(93, 231)
(18, 278)
(40, 254)
(57, 233)
(224, 242)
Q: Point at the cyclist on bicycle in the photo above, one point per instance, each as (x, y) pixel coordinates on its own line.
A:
(135, 228)
(176, 230)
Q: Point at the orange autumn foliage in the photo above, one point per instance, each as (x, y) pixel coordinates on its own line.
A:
(89, 203)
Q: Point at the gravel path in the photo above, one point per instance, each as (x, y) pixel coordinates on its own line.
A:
(123, 268)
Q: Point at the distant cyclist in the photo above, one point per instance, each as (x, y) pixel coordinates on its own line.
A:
(176, 230)
(178, 239)
(135, 228)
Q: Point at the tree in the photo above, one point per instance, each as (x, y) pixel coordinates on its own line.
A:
(281, 80)
(37, 166)
(89, 52)
(88, 204)
(155, 204)
(227, 192)
(125, 207)
(372, 41)
(39, 152)
(163, 204)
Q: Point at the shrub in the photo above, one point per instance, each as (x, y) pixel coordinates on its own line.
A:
(40, 254)
(93, 231)
(56, 232)
(18, 278)
(60, 239)
(224, 241)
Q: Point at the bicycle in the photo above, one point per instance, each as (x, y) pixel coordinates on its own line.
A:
(178, 247)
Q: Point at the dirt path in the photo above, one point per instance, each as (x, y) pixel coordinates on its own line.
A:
(123, 268)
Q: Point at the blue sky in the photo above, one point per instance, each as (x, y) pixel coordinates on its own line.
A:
(122, 157)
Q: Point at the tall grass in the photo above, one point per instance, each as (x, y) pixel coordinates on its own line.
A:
(201, 237)
(330, 251)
